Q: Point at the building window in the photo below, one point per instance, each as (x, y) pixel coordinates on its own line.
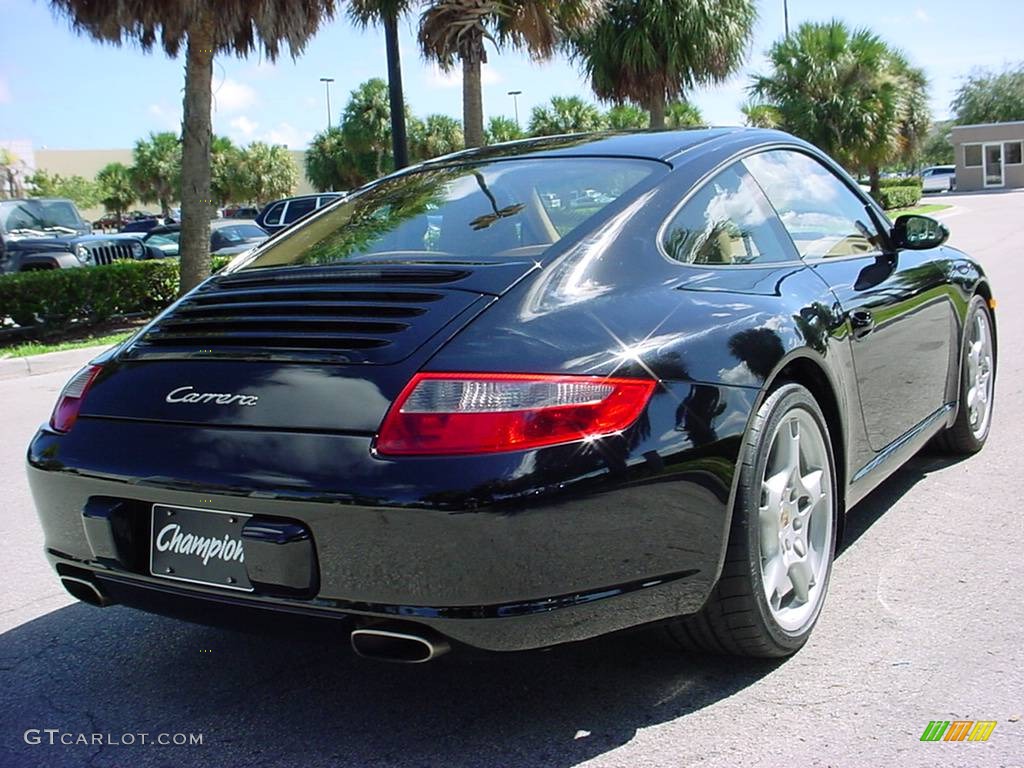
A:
(1012, 153)
(972, 155)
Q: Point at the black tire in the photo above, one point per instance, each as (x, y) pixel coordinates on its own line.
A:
(737, 619)
(960, 439)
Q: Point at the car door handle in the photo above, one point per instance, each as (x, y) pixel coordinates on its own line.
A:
(862, 322)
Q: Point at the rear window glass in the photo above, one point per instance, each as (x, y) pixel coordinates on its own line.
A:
(466, 213)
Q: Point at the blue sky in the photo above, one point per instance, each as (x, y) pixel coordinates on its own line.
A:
(59, 90)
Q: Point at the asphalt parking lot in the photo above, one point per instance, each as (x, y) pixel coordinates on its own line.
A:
(925, 621)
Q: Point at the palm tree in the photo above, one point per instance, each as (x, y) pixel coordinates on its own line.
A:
(268, 172)
(914, 115)
(848, 93)
(565, 114)
(157, 169)
(330, 166)
(117, 192)
(386, 13)
(627, 117)
(653, 51)
(760, 115)
(366, 125)
(225, 159)
(205, 29)
(435, 136)
(453, 30)
(683, 114)
(501, 129)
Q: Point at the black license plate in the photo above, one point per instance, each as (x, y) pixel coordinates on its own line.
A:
(201, 546)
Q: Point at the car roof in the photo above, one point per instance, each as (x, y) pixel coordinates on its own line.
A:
(222, 223)
(650, 145)
(306, 197)
(37, 200)
(214, 224)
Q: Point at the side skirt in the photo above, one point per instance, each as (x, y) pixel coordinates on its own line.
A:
(896, 454)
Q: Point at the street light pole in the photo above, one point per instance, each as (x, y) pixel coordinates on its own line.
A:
(515, 103)
(327, 84)
(785, 15)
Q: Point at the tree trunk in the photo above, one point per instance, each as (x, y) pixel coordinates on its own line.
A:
(197, 132)
(656, 106)
(873, 179)
(396, 99)
(472, 103)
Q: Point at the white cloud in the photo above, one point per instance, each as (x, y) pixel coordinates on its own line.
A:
(919, 15)
(165, 118)
(233, 96)
(263, 67)
(287, 134)
(244, 126)
(437, 78)
(244, 130)
(5, 91)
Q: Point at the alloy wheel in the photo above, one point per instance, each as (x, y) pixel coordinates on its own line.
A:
(979, 374)
(795, 517)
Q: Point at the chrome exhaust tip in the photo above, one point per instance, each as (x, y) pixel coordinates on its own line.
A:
(86, 591)
(396, 646)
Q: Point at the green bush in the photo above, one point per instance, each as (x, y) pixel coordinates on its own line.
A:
(59, 298)
(899, 196)
(910, 181)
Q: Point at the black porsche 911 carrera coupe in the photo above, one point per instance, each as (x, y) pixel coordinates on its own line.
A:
(525, 395)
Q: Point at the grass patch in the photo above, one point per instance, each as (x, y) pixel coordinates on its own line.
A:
(42, 347)
(920, 210)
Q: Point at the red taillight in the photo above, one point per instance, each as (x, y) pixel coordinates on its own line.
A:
(458, 413)
(71, 397)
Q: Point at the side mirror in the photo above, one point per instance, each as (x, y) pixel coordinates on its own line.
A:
(918, 233)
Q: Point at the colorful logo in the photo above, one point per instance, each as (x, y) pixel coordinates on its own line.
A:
(958, 730)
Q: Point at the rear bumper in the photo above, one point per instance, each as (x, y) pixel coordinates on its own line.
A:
(492, 580)
(618, 543)
(546, 623)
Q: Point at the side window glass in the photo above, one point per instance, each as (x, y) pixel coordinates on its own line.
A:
(273, 217)
(728, 221)
(299, 208)
(822, 215)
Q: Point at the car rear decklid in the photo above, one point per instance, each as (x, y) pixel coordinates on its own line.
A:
(296, 347)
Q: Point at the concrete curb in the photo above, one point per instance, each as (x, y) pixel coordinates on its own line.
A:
(51, 362)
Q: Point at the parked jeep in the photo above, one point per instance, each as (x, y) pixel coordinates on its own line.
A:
(49, 233)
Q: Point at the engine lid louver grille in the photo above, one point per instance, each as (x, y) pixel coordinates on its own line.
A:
(335, 314)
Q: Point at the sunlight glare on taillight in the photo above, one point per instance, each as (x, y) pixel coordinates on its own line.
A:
(459, 413)
(70, 401)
